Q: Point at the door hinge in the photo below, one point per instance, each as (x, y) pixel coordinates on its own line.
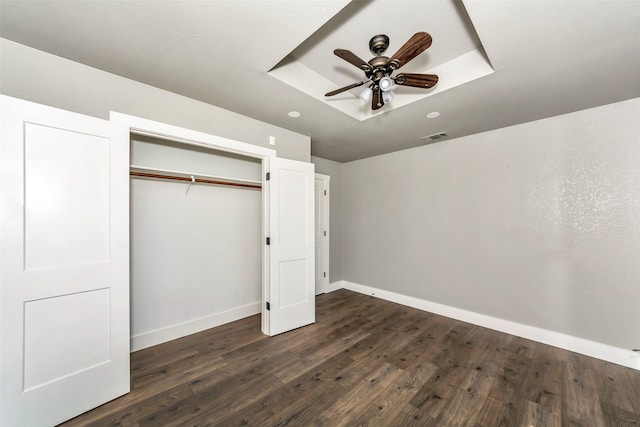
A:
(268, 176)
(268, 306)
(325, 192)
(324, 274)
(325, 233)
(268, 240)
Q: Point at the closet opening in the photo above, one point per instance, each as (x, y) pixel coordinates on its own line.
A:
(196, 247)
(174, 168)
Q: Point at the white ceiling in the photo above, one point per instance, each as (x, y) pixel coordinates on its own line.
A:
(500, 62)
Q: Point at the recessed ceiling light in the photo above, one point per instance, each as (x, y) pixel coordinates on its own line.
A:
(433, 115)
(294, 114)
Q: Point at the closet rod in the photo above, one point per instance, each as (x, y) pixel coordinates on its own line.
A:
(188, 179)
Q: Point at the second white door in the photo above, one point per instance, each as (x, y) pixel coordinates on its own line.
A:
(291, 289)
(322, 232)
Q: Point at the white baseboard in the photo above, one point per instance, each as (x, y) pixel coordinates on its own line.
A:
(179, 330)
(619, 356)
(334, 286)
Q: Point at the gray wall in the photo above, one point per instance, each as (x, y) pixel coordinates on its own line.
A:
(37, 76)
(537, 223)
(334, 170)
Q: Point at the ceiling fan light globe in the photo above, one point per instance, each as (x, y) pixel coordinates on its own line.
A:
(385, 84)
(365, 95)
(387, 97)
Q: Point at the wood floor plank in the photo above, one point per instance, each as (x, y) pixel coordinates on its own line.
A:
(580, 397)
(482, 350)
(368, 362)
(292, 396)
(543, 384)
(494, 413)
(405, 415)
(539, 416)
(616, 416)
(509, 382)
(357, 398)
(126, 412)
(433, 396)
(214, 398)
(385, 406)
(419, 348)
(449, 343)
(180, 371)
(307, 361)
(618, 388)
(144, 408)
(308, 413)
(463, 407)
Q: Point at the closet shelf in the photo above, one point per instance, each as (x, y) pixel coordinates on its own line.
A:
(155, 173)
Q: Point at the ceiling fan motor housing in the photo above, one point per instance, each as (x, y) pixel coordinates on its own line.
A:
(379, 68)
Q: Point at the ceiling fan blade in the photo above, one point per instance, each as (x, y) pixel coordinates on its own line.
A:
(417, 44)
(376, 99)
(424, 81)
(343, 89)
(352, 58)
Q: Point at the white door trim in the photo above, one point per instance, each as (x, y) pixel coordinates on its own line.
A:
(123, 125)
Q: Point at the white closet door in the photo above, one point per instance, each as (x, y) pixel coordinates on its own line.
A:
(64, 328)
(291, 293)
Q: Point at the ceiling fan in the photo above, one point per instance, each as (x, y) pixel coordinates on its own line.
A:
(379, 69)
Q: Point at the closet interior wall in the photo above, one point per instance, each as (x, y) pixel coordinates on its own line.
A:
(196, 254)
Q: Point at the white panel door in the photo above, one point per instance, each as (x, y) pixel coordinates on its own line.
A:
(291, 287)
(322, 231)
(64, 326)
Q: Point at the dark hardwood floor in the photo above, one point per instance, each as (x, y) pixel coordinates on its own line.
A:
(369, 362)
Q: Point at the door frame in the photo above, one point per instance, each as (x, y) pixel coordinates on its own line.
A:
(124, 125)
(326, 183)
